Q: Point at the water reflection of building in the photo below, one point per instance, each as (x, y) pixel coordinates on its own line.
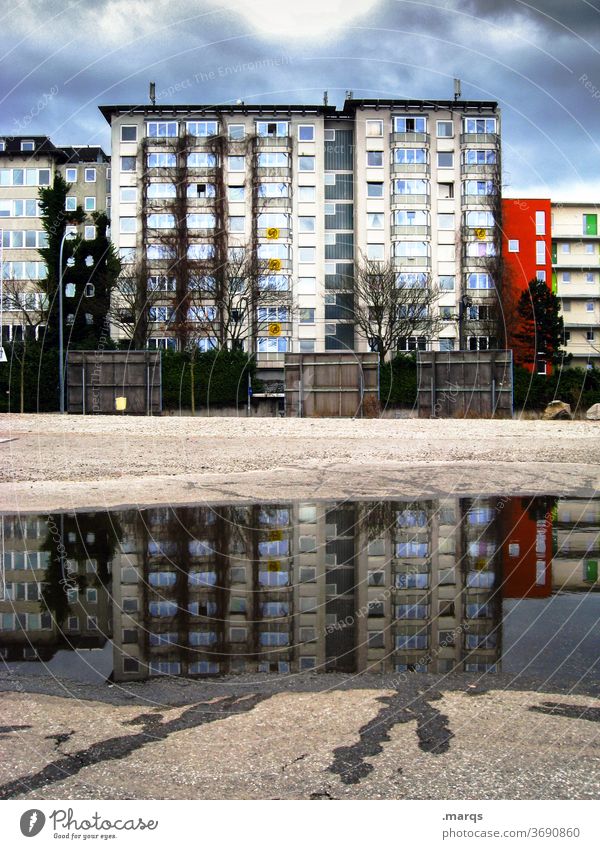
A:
(289, 588)
(387, 586)
(576, 544)
(49, 602)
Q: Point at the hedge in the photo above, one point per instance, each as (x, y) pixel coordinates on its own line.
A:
(398, 382)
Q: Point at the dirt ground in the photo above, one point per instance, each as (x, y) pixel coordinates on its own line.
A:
(75, 462)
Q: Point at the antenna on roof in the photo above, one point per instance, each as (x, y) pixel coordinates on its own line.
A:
(349, 94)
(325, 99)
(153, 93)
(457, 92)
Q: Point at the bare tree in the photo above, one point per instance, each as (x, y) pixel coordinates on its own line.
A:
(30, 304)
(132, 302)
(387, 310)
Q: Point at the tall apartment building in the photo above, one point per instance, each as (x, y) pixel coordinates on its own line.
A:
(576, 277)
(308, 190)
(28, 163)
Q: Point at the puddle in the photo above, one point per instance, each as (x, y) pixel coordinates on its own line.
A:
(471, 585)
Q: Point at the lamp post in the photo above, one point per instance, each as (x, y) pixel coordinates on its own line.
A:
(2, 354)
(68, 236)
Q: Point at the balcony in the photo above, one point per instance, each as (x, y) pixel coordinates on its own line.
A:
(478, 200)
(410, 200)
(274, 202)
(480, 138)
(408, 230)
(268, 171)
(411, 168)
(285, 234)
(477, 262)
(411, 263)
(274, 141)
(401, 138)
(483, 170)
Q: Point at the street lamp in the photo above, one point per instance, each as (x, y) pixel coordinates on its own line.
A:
(68, 237)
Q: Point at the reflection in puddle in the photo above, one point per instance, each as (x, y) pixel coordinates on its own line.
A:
(455, 584)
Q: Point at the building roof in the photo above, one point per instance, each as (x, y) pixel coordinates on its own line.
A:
(43, 146)
(349, 108)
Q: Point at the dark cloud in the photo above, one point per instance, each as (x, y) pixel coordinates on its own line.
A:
(537, 59)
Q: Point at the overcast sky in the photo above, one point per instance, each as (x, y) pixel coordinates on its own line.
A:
(539, 59)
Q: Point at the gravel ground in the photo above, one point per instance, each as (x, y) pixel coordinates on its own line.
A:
(70, 462)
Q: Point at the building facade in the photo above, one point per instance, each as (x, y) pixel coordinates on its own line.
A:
(576, 278)
(301, 194)
(28, 163)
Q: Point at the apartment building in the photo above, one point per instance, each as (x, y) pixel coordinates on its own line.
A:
(304, 192)
(28, 163)
(576, 277)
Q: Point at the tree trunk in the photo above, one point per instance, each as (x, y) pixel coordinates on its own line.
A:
(22, 388)
(193, 384)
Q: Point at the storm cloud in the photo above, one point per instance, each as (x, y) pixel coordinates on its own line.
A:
(60, 59)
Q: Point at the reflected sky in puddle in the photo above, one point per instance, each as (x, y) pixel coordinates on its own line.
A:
(478, 585)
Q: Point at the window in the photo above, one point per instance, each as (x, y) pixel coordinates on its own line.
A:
(446, 344)
(446, 221)
(540, 222)
(306, 132)
(128, 163)
(410, 156)
(566, 277)
(307, 194)
(129, 195)
(237, 223)
(236, 193)
(565, 248)
(589, 307)
(128, 225)
(306, 224)
(374, 190)
(410, 125)
(307, 315)
(272, 129)
(445, 129)
(479, 187)
(71, 175)
(445, 159)
(70, 203)
(513, 246)
(236, 131)
(306, 163)
(480, 280)
(375, 159)
(272, 345)
(411, 248)
(540, 252)
(410, 217)
(307, 285)
(566, 305)
(589, 335)
(27, 146)
(590, 249)
(445, 190)
(89, 232)
(200, 220)
(375, 220)
(201, 251)
(411, 187)
(161, 160)
(273, 313)
(159, 190)
(89, 204)
(376, 252)
(307, 254)
(374, 129)
(89, 175)
(541, 276)
(128, 133)
(236, 163)
(479, 157)
(412, 280)
(161, 129)
(202, 129)
(479, 125)
(271, 159)
(589, 277)
(200, 160)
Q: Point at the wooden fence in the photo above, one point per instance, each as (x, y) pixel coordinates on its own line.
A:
(336, 384)
(113, 382)
(465, 384)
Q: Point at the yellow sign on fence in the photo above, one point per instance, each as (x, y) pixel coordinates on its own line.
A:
(274, 329)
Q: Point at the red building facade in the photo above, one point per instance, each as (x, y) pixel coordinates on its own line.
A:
(526, 247)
